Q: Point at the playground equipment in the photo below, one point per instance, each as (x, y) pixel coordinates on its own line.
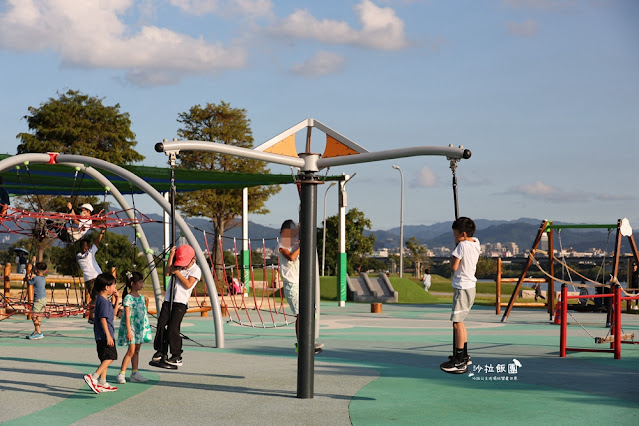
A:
(72, 289)
(339, 151)
(615, 334)
(499, 280)
(88, 164)
(623, 229)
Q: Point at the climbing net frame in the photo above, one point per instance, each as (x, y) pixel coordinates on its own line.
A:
(265, 307)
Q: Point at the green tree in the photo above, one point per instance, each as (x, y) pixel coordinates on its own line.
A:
(486, 268)
(75, 123)
(357, 244)
(230, 126)
(417, 255)
(80, 124)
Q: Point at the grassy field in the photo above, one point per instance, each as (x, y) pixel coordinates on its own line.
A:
(410, 289)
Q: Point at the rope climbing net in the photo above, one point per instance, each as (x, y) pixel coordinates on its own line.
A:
(265, 306)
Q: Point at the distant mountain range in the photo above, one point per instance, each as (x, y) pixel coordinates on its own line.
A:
(520, 231)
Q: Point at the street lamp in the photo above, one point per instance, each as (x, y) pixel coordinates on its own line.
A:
(401, 225)
(324, 231)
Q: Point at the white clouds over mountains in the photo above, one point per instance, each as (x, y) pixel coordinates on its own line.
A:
(96, 34)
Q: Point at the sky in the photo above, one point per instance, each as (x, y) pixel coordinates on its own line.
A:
(545, 93)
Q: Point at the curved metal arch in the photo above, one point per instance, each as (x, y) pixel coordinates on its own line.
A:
(138, 228)
(156, 196)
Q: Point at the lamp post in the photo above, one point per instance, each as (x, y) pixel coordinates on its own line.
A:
(401, 224)
(324, 230)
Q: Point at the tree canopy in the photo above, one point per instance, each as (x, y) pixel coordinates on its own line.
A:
(417, 255)
(357, 244)
(230, 126)
(80, 124)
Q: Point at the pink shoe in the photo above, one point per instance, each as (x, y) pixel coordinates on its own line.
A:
(106, 388)
(93, 384)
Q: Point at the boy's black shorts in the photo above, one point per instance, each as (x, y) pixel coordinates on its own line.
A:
(105, 351)
(90, 289)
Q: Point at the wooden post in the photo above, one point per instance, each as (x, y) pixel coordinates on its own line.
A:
(7, 280)
(629, 285)
(376, 308)
(525, 270)
(498, 288)
(615, 262)
(7, 288)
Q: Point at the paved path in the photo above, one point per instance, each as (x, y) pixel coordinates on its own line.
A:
(375, 369)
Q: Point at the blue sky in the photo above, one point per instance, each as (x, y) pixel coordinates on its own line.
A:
(544, 93)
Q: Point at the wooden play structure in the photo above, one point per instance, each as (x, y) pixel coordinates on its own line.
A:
(623, 229)
(499, 280)
(70, 292)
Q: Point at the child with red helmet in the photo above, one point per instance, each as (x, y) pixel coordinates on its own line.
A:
(186, 273)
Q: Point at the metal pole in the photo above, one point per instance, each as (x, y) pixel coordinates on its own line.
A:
(324, 232)
(453, 168)
(401, 225)
(308, 271)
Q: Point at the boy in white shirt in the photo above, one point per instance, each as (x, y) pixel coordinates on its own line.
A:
(464, 264)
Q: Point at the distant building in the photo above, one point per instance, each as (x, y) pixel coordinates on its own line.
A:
(498, 249)
(382, 253)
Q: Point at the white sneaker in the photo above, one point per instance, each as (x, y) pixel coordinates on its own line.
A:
(121, 378)
(106, 387)
(138, 378)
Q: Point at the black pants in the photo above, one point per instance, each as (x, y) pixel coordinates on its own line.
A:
(170, 330)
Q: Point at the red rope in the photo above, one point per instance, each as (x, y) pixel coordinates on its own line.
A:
(236, 306)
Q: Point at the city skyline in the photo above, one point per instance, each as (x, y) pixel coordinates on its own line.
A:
(544, 93)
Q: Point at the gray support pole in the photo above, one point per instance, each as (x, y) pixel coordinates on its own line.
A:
(166, 226)
(308, 272)
(401, 223)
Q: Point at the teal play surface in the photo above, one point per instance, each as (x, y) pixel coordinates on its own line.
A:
(375, 369)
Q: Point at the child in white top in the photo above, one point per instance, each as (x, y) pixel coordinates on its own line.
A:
(464, 264)
(186, 273)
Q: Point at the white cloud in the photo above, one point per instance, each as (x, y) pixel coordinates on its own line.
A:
(323, 63)
(523, 29)
(196, 7)
(381, 28)
(249, 8)
(253, 8)
(426, 178)
(540, 190)
(549, 5)
(537, 189)
(92, 35)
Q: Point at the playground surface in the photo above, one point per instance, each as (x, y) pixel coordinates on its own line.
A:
(375, 369)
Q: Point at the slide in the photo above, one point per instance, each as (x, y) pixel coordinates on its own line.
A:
(365, 289)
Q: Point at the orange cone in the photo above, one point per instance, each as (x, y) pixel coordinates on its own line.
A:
(558, 312)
